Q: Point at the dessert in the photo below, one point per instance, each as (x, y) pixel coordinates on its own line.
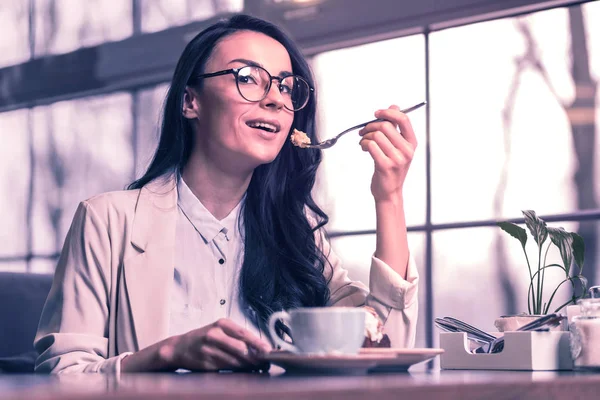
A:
(374, 336)
(300, 139)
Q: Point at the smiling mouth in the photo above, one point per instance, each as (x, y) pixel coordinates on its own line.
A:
(265, 126)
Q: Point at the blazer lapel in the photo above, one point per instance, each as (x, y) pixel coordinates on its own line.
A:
(149, 273)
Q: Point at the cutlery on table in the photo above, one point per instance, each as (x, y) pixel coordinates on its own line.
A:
(454, 325)
(540, 324)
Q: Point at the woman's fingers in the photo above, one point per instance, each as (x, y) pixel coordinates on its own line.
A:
(216, 359)
(221, 345)
(379, 131)
(399, 147)
(217, 338)
(394, 115)
(382, 161)
(238, 332)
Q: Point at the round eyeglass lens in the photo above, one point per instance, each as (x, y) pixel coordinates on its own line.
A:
(254, 83)
(295, 91)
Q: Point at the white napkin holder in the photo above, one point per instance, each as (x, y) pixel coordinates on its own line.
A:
(526, 351)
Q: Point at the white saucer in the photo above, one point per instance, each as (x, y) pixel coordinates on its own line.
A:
(369, 359)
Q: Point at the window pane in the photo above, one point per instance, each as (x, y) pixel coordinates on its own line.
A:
(83, 148)
(355, 253)
(13, 266)
(591, 12)
(14, 182)
(502, 139)
(66, 25)
(148, 114)
(42, 266)
(162, 14)
(352, 84)
(14, 31)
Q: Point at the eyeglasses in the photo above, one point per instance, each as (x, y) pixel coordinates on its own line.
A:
(254, 83)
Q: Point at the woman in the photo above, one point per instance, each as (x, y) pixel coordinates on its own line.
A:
(183, 269)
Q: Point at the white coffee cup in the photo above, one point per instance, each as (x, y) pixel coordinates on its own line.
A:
(321, 330)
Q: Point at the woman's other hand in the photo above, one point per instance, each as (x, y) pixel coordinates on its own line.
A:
(392, 145)
(222, 345)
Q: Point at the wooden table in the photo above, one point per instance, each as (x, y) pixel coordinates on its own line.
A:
(417, 385)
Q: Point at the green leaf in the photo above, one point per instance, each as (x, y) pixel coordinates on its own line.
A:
(564, 241)
(536, 226)
(515, 231)
(578, 250)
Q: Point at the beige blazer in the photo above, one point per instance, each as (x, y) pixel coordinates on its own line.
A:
(111, 287)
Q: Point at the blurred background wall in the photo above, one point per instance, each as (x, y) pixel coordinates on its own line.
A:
(512, 124)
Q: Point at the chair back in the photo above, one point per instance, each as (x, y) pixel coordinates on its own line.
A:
(22, 297)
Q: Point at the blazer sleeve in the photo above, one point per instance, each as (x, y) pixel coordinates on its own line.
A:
(393, 297)
(72, 334)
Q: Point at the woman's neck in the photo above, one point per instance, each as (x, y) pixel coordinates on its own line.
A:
(217, 189)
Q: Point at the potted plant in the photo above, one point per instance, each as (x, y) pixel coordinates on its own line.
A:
(571, 248)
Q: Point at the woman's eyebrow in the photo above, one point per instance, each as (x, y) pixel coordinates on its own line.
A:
(256, 64)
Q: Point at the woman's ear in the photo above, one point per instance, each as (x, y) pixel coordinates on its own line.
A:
(191, 106)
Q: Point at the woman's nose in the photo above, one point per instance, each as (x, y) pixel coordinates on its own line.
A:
(274, 98)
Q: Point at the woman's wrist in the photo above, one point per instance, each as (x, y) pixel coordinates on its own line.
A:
(161, 356)
(391, 206)
(395, 199)
(167, 353)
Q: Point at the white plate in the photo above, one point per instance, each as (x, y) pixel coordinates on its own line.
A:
(369, 359)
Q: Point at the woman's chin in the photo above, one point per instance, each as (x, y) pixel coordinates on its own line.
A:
(264, 155)
(266, 160)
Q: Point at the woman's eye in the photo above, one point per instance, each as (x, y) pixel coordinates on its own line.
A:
(246, 79)
(285, 89)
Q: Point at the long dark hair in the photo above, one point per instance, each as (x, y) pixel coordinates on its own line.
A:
(283, 266)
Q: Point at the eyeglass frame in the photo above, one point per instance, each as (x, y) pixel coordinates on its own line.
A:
(235, 72)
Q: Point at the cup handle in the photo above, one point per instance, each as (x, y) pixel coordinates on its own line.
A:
(273, 333)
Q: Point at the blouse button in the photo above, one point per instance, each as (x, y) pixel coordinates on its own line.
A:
(221, 261)
(222, 302)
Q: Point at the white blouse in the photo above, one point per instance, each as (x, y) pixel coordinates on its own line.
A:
(208, 258)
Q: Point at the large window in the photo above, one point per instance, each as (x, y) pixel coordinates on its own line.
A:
(512, 124)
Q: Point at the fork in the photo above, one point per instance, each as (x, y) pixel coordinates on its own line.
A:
(450, 324)
(330, 142)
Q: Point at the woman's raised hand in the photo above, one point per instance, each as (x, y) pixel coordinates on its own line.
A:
(391, 150)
